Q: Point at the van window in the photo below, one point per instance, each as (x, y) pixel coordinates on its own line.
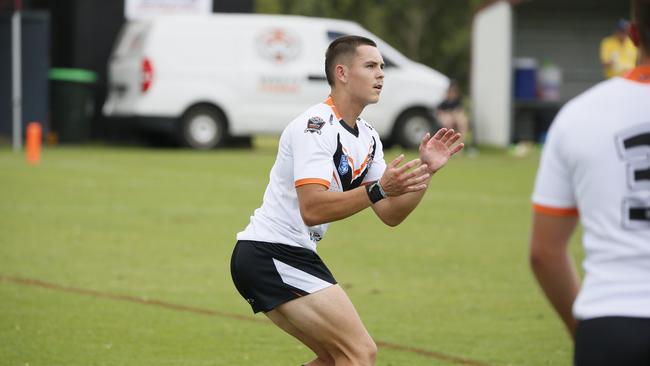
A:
(332, 35)
(131, 40)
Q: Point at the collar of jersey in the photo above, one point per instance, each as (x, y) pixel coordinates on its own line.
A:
(640, 74)
(330, 102)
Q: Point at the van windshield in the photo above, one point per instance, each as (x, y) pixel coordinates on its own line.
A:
(332, 35)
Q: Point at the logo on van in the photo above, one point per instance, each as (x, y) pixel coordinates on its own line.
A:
(278, 45)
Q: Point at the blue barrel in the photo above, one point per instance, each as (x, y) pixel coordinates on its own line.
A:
(525, 78)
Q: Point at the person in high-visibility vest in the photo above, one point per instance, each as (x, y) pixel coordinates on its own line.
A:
(617, 52)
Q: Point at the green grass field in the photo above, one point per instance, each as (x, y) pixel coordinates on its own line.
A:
(101, 247)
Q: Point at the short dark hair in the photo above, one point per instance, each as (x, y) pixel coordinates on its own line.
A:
(642, 20)
(342, 47)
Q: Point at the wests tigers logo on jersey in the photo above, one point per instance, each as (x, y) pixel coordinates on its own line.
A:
(314, 124)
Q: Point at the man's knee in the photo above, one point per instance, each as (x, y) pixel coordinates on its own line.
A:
(371, 351)
(361, 353)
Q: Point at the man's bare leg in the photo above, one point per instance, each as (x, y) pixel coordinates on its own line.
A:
(323, 358)
(327, 320)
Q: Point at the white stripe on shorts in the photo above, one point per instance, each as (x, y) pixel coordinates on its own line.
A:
(299, 279)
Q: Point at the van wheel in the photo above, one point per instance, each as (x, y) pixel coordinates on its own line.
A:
(412, 126)
(203, 128)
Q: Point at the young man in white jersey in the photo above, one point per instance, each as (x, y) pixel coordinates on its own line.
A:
(596, 166)
(330, 165)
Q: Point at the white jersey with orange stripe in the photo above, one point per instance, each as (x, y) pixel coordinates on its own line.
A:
(596, 163)
(317, 147)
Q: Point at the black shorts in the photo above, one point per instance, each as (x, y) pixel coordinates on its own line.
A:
(269, 274)
(613, 341)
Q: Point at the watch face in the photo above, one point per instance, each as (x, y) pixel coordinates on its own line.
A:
(375, 192)
(381, 190)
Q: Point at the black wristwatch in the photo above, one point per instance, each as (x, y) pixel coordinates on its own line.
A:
(375, 192)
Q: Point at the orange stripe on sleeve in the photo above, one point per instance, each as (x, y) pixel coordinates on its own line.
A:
(302, 182)
(554, 211)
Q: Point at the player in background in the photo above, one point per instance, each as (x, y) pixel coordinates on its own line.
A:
(595, 167)
(618, 53)
(330, 165)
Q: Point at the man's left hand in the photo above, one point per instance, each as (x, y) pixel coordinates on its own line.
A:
(437, 150)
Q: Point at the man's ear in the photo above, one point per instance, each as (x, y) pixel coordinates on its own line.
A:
(633, 32)
(341, 73)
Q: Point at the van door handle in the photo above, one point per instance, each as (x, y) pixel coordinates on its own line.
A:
(317, 78)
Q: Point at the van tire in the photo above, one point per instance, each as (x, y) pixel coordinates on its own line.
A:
(412, 125)
(203, 127)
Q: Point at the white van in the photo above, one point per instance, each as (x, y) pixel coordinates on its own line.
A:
(208, 78)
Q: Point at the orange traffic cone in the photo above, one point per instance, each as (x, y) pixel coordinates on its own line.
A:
(33, 144)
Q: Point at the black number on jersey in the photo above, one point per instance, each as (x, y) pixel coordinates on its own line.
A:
(634, 147)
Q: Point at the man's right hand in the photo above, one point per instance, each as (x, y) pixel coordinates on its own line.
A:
(410, 177)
